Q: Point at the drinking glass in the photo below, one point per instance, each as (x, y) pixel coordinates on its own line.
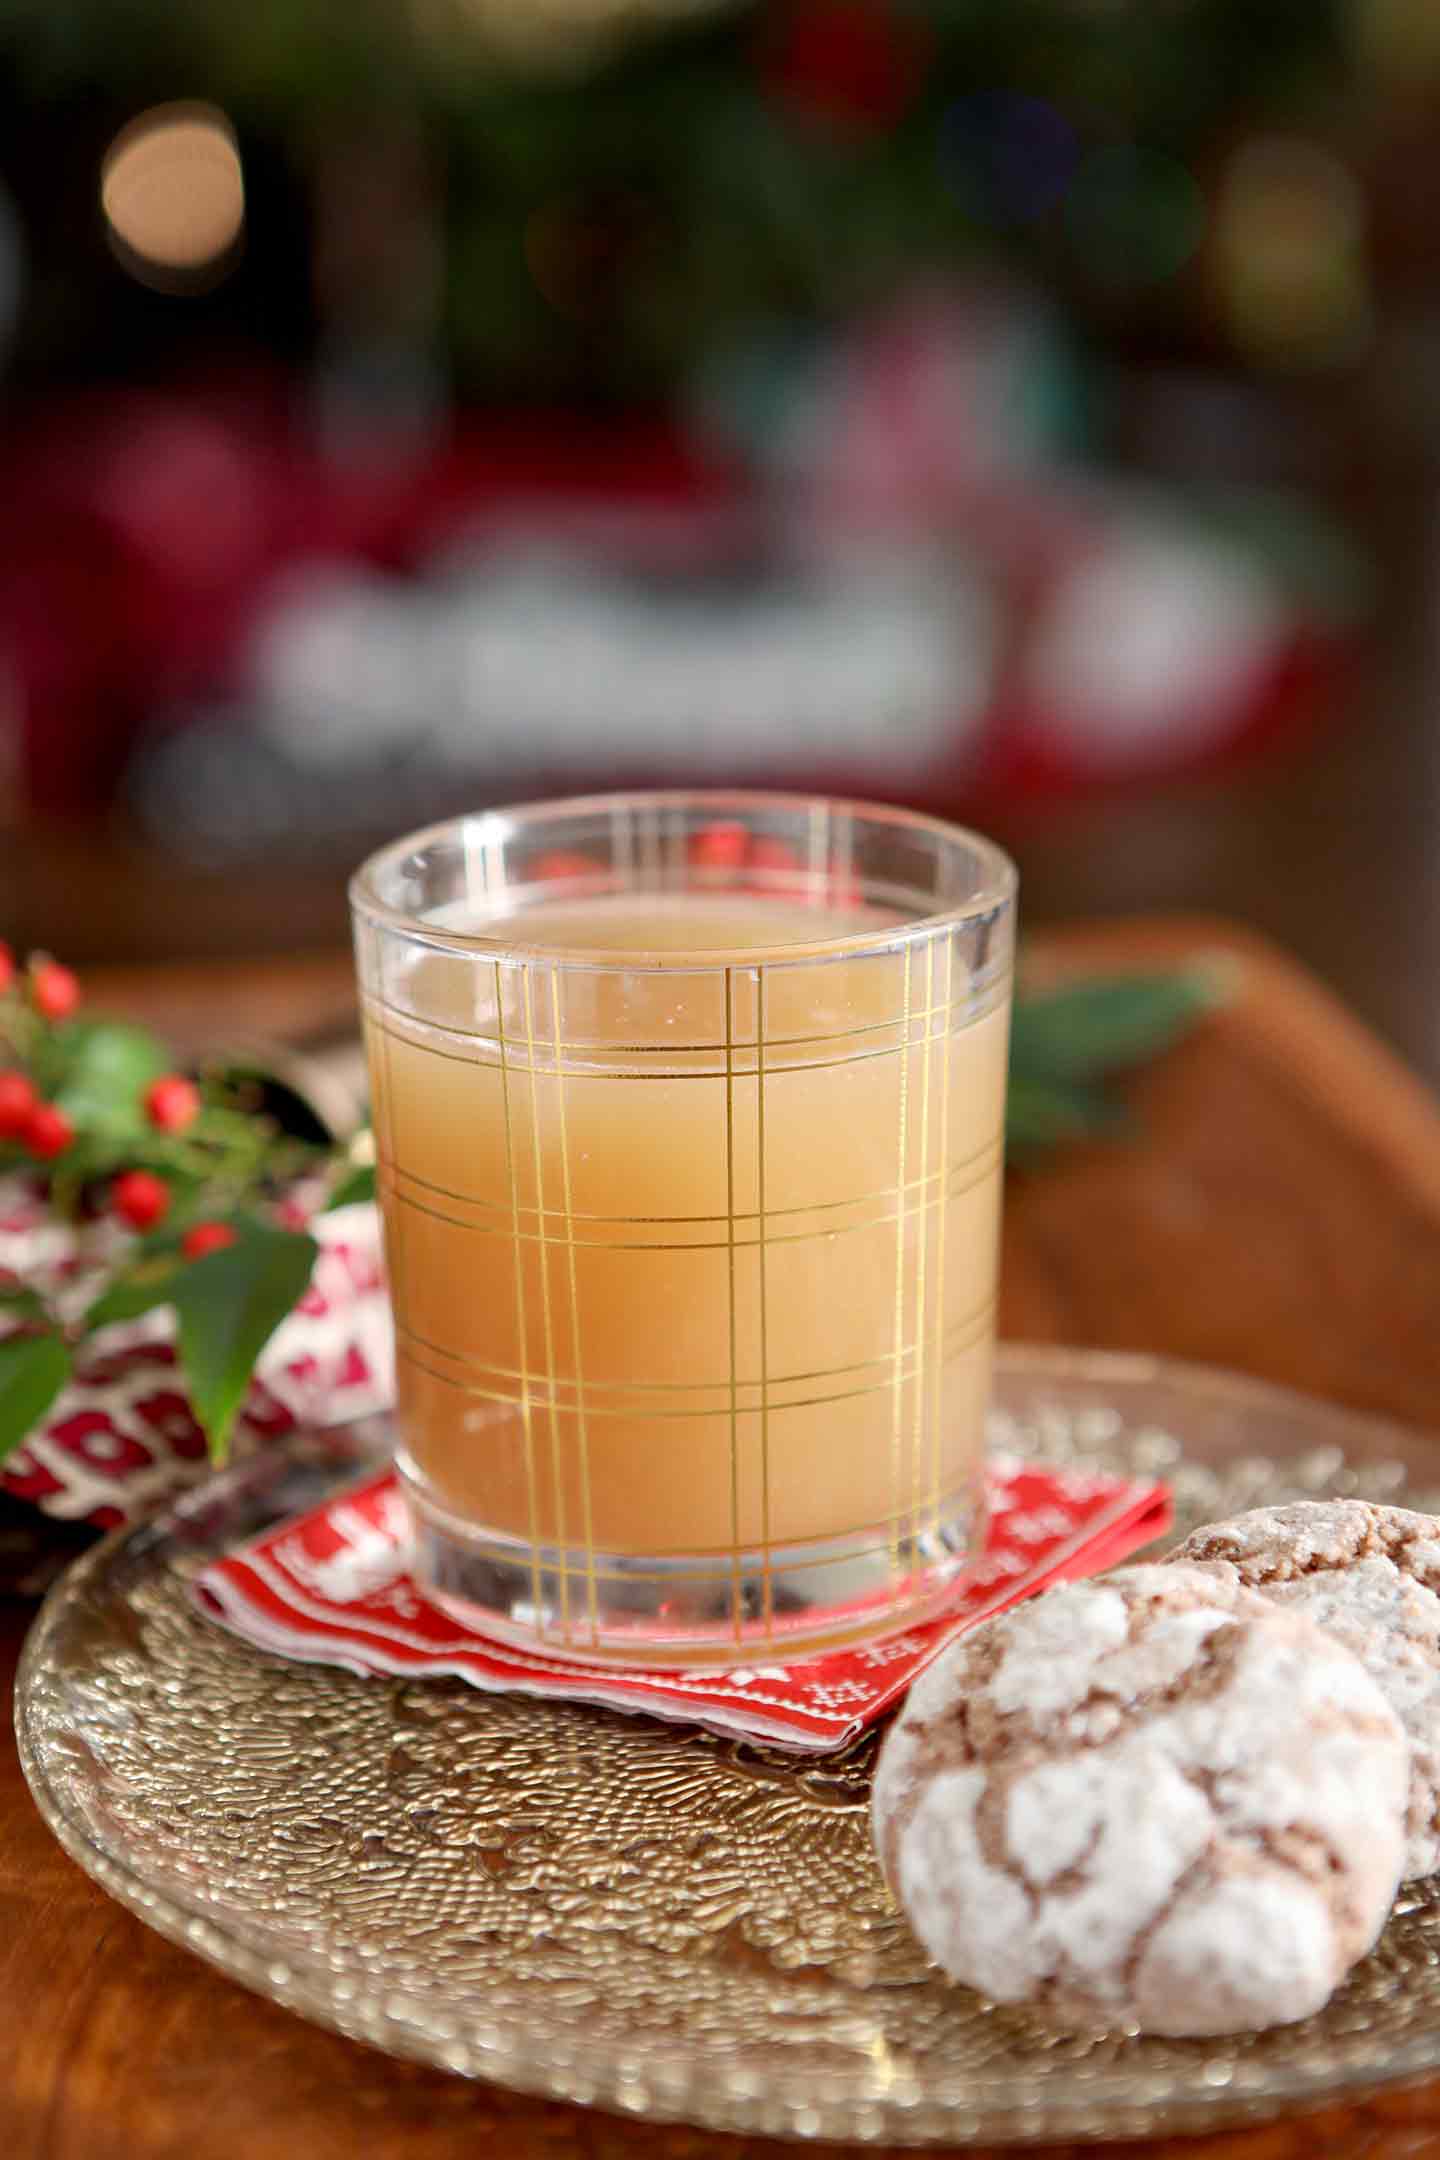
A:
(689, 1114)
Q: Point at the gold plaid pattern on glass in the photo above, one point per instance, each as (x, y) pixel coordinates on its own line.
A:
(693, 1254)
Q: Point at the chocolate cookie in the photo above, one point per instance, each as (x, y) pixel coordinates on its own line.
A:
(1152, 1800)
(1371, 1576)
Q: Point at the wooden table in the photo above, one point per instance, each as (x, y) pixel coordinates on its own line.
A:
(1280, 1212)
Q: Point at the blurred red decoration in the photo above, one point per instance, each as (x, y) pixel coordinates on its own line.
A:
(140, 534)
(851, 66)
(143, 538)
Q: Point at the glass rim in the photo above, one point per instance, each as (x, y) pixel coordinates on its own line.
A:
(999, 881)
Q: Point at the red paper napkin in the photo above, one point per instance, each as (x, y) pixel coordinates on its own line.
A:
(333, 1588)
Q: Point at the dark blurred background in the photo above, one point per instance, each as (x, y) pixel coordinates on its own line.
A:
(1026, 410)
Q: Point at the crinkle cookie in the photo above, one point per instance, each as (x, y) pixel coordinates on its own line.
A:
(1155, 1799)
(1371, 1576)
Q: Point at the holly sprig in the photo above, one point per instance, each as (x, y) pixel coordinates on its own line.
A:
(1068, 1045)
(188, 1166)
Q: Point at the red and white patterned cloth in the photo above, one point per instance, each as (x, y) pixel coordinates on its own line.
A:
(333, 1588)
(122, 1436)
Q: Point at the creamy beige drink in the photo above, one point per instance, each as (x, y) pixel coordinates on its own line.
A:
(584, 1260)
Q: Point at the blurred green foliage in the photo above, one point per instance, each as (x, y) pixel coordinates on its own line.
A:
(713, 195)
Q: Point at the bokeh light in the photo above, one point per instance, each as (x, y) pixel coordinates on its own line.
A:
(551, 35)
(1289, 256)
(173, 194)
(1005, 158)
(1398, 40)
(1134, 215)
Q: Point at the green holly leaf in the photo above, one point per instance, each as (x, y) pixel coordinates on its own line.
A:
(33, 1369)
(150, 1282)
(356, 1184)
(228, 1306)
(1065, 1042)
(19, 1298)
(1088, 1029)
(1041, 1113)
(105, 1066)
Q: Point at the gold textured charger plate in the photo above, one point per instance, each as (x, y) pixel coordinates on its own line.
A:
(610, 1910)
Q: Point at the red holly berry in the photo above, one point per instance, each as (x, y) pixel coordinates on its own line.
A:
(48, 1132)
(720, 846)
(206, 1237)
(140, 1198)
(172, 1102)
(17, 1104)
(55, 989)
(7, 967)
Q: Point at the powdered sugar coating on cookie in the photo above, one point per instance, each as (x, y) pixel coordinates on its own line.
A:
(1371, 1576)
(1154, 1800)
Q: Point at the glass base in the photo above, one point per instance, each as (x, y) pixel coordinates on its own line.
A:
(697, 1610)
